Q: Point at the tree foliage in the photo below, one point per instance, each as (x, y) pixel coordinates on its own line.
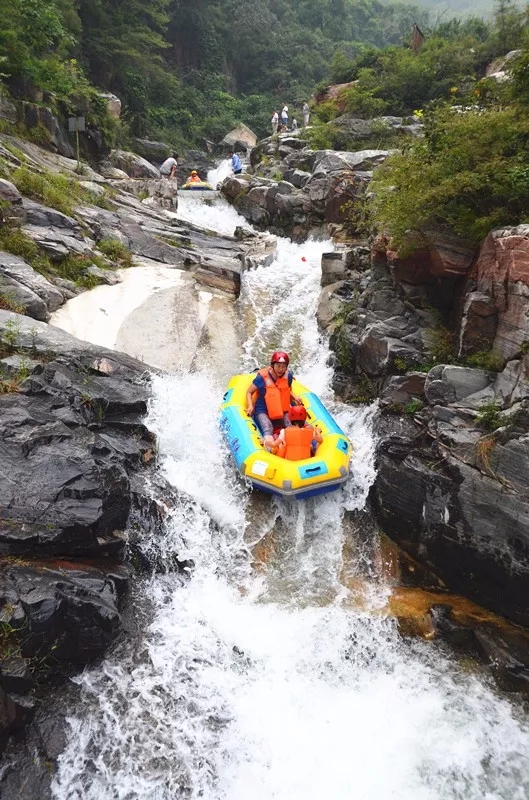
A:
(469, 174)
(189, 69)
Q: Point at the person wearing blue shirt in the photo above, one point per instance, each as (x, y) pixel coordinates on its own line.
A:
(236, 164)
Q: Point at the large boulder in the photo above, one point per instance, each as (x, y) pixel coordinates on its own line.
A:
(240, 138)
(447, 383)
(152, 151)
(443, 256)
(32, 290)
(134, 165)
(500, 68)
(113, 104)
(66, 444)
(9, 192)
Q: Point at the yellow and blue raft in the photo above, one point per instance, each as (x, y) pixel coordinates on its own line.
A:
(197, 186)
(326, 471)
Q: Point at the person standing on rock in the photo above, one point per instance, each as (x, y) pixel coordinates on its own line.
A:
(275, 122)
(236, 163)
(284, 117)
(306, 114)
(168, 168)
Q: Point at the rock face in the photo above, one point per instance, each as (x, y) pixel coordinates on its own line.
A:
(145, 229)
(497, 294)
(319, 187)
(33, 115)
(74, 454)
(452, 482)
(35, 295)
(113, 104)
(134, 165)
(455, 495)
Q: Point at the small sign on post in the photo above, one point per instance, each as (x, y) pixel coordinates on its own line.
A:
(76, 124)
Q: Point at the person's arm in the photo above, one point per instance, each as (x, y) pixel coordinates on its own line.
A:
(249, 398)
(293, 397)
(318, 435)
(278, 442)
(297, 400)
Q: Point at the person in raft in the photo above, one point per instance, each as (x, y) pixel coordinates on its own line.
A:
(299, 440)
(194, 177)
(269, 396)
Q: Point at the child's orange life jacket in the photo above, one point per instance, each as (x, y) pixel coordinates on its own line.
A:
(297, 444)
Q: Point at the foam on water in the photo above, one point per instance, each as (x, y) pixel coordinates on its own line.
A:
(273, 684)
(217, 216)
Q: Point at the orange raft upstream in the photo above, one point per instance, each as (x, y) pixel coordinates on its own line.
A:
(325, 472)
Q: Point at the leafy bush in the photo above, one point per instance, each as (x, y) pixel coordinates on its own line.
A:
(485, 359)
(489, 416)
(464, 176)
(413, 406)
(8, 302)
(320, 136)
(74, 268)
(116, 251)
(15, 241)
(52, 189)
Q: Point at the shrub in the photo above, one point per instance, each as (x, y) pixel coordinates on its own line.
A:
(413, 406)
(74, 268)
(320, 136)
(53, 190)
(15, 241)
(442, 345)
(116, 251)
(489, 416)
(466, 175)
(8, 302)
(484, 449)
(485, 359)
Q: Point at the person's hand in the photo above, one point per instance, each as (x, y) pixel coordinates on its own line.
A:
(249, 409)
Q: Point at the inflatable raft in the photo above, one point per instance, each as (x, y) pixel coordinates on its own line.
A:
(200, 188)
(326, 471)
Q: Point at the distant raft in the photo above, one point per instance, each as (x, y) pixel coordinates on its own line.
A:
(200, 188)
(325, 472)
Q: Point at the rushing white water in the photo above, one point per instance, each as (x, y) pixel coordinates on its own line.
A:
(261, 676)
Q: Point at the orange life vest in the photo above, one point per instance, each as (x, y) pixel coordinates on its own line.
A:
(277, 394)
(297, 445)
(195, 179)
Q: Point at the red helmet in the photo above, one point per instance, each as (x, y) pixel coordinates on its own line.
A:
(279, 358)
(297, 414)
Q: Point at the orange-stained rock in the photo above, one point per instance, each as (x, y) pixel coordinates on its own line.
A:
(332, 92)
(443, 257)
(501, 271)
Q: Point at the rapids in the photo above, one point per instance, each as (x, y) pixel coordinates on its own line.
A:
(263, 675)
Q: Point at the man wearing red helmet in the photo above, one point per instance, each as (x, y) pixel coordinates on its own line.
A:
(299, 440)
(269, 396)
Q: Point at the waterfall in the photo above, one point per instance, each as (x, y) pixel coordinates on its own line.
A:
(263, 674)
